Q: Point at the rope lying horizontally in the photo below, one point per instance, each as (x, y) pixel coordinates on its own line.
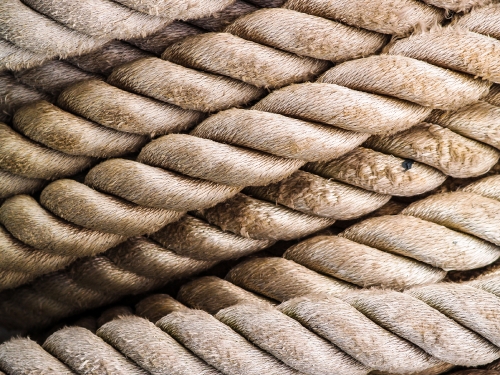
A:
(271, 168)
(426, 329)
(450, 231)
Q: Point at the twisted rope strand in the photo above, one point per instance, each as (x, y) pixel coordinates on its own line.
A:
(81, 29)
(354, 332)
(238, 229)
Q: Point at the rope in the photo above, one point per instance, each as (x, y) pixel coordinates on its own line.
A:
(67, 28)
(375, 252)
(376, 111)
(427, 329)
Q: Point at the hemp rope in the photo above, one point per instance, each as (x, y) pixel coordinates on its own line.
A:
(55, 75)
(415, 247)
(429, 328)
(68, 28)
(375, 252)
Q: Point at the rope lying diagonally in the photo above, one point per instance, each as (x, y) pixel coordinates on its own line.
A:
(426, 329)
(391, 251)
(108, 239)
(53, 76)
(68, 28)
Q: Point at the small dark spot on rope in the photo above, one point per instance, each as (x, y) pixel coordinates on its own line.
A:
(407, 164)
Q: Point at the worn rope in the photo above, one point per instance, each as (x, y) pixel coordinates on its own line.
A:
(350, 332)
(241, 229)
(67, 28)
(390, 251)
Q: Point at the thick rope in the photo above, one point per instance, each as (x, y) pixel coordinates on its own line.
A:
(236, 74)
(287, 172)
(425, 329)
(67, 28)
(376, 252)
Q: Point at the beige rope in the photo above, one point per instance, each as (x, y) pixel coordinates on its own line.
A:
(134, 114)
(39, 162)
(260, 220)
(482, 20)
(53, 76)
(157, 42)
(379, 172)
(387, 17)
(239, 229)
(156, 306)
(339, 322)
(37, 33)
(409, 79)
(442, 148)
(51, 126)
(476, 121)
(151, 348)
(14, 95)
(449, 47)
(34, 358)
(84, 28)
(75, 346)
(474, 253)
(459, 5)
(104, 59)
(56, 236)
(426, 329)
(112, 215)
(218, 21)
(286, 29)
(208, 293)
(113, 313)
(233, 354)
(187, 88)
(13, 184)
(314, 195)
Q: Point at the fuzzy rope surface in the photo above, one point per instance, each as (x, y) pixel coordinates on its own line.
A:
(188, 55)
(352, 332)
(214, 175)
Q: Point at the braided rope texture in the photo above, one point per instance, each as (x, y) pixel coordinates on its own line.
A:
(218, 157)
(231, 166)
(103, 221)
(228, 329)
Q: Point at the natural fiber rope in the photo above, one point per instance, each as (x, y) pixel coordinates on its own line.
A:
(243, 232)
(67, 28)
(132, 268)
(453, 300)
(428, 328)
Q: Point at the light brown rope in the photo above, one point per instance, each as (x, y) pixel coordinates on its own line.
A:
(217, 217)
(386, 17)
(84, 28)
(34, 358)
(409, 79)
(237, 229)
(218, 21)
(152, 349)
(426, 329)
(75, 347)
